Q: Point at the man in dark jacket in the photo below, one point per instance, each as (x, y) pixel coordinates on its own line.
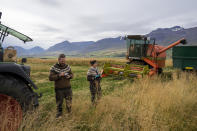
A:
(61, 73)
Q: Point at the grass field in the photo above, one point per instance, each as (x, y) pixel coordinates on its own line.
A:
(145, 104)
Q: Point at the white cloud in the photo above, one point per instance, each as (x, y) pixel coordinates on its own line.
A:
(51, 21)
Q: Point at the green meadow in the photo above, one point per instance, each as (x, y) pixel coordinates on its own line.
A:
(156, 103)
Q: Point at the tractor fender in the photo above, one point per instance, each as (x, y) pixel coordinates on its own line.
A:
(17, 70)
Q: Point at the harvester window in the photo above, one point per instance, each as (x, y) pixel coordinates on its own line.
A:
(132, 41)
(137, 41)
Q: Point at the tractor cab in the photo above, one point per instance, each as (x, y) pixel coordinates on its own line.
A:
(10, 54)
(137, 46)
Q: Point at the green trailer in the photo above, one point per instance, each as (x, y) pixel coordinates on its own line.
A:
(185, 57)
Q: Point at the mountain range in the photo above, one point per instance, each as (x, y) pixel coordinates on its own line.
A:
(164, 36)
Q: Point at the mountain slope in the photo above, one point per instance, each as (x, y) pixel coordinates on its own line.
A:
(70, 48)
(35, 51)
(105, 44)
(63, 46)
(73, 48)
(165, 36)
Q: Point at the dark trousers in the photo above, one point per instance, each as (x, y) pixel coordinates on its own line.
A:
(95, 90)
(61, 94)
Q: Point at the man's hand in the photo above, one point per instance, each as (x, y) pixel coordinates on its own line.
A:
(61, 74)
(67, 76)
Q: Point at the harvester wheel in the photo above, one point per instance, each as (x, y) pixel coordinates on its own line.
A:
(15, 98)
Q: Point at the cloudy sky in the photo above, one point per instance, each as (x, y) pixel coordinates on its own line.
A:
(51, 21)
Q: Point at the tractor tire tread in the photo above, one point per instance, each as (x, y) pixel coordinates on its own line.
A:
(19, 90)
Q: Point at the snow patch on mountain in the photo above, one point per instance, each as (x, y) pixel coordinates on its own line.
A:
(177, 28)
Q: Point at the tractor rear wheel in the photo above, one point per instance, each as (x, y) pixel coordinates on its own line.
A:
(16, 97)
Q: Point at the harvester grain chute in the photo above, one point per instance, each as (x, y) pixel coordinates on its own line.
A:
(144, 58)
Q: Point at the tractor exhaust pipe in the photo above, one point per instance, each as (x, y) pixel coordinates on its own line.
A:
(0, 16)
(1, 48)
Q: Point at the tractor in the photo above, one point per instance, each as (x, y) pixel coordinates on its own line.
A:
(16, 88)
(144, 57)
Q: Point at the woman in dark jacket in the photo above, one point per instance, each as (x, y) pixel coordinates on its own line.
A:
(94, 78)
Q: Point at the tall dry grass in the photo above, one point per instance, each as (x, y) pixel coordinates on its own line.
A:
(76, 61)
(146, 104)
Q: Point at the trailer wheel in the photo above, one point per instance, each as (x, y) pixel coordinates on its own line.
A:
(15, 98)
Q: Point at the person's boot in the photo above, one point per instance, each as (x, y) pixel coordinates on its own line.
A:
(93, 99)
(58, 114)
(69, 109)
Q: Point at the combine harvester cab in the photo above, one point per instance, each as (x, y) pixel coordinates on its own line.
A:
(144, 58)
